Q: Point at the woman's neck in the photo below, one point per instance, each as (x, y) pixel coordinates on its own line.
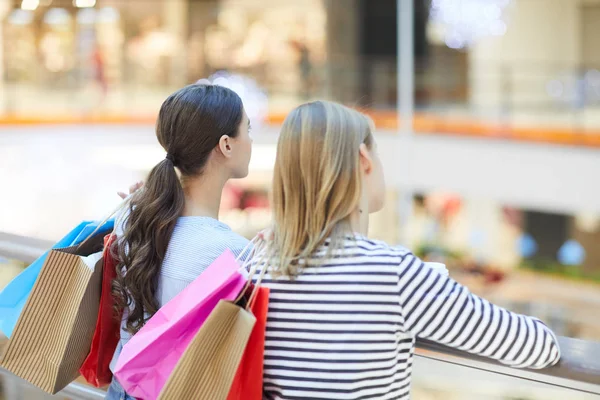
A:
(359, 222)
(203, 195)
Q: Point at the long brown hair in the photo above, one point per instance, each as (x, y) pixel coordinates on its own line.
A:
(190, 124)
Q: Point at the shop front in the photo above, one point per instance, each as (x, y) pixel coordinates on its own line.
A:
(112, 56)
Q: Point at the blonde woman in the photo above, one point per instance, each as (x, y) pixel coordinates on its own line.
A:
(345, 310)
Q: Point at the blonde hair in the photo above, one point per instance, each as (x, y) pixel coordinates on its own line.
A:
(317, 181)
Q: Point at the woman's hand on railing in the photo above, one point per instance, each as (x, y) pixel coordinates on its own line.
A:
(439, 309)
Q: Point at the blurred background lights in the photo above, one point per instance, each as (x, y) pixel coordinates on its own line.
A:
(254, 98)
(57, 16)
(108, 15)
(30, 5)
(465, 21)
(84, 3)
(571, 253)
(20, 17)
(526, 245)
(86, 16)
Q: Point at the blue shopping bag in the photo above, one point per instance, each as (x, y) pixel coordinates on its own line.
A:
(14, 295)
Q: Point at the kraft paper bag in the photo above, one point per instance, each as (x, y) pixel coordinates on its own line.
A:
(208, 366)
(150, 356)
(53, 334)
(248, 381)
(15, 294)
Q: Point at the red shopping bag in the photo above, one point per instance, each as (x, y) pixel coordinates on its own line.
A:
(248, 381)
(95, 368)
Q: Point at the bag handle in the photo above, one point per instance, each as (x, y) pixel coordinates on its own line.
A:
(248, 249)
(116, 210)
(254, 293)
(258, 245)
(255, 242)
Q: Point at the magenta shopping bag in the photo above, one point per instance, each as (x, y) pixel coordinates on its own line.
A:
(150, 356)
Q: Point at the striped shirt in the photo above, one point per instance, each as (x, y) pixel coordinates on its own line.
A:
(346, 329)
(196, 242)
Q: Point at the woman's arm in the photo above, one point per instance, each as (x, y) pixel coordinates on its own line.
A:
(437, 308)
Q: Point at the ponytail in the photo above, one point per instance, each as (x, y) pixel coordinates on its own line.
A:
(153, 213)
(190, 124)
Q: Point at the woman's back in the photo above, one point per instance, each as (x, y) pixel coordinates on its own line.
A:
(346, 329)
(195, 243)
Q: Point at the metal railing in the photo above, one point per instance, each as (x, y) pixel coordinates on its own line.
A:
(578, 370)
(488, 91)
(14, 387)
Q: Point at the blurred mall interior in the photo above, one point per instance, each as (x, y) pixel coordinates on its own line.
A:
(497, 148)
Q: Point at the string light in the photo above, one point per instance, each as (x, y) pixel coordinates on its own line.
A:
(30, 5)
(84, 3)
(465, 21)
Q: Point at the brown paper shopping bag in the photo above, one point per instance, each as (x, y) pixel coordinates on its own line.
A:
(208, 367)
(209, 364)
(53, 334)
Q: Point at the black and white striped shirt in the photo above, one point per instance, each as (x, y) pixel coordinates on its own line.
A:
(346, 329)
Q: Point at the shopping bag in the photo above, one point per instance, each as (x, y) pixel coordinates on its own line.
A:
(207, 369)
(14, 295)
(96, 367)
(248, 381)
(149, 357)
(53, 334)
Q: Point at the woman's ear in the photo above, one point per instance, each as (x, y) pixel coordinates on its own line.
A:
(366, 162)
(225, 146)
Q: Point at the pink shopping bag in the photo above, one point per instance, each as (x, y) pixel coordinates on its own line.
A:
(148, 359)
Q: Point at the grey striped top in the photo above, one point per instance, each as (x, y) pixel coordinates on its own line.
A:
(346, 329)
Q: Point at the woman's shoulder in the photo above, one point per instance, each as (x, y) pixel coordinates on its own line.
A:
(196, 246)
(207, 232)
(389, 258)
(369, 245)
